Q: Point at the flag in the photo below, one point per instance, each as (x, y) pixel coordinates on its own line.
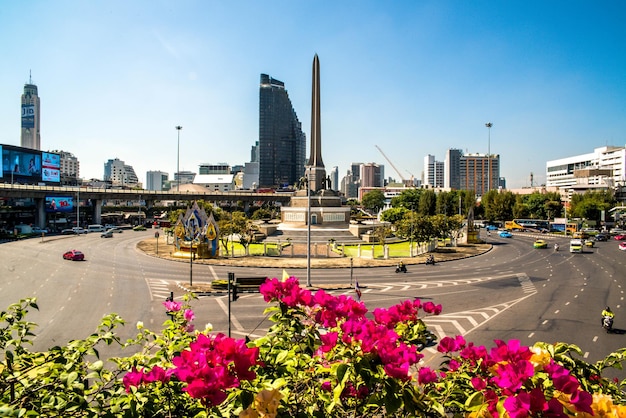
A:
(357, 290)
(285, 275)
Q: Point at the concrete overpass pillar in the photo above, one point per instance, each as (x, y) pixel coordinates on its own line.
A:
(97, 210)
(40, 214)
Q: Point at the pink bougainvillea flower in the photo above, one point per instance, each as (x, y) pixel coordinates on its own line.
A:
(189, 315)
(478, 383)
(172, 305)
(430, 307)
(425, 375)
(447, 345)
(582, 401)
(511, 376)
(329, 341)
(132, 378)
(157, 374)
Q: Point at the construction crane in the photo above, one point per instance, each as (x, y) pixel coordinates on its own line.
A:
(389, 161)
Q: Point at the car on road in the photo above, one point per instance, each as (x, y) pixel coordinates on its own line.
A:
(620, 237)
(107, 234)
(600, 237)
(505, 234)
(74, 255)
(37, 230)
(540, 244)
(74, 230)
(622, 246)
(491, 228)
(139, 228)
(115, 230)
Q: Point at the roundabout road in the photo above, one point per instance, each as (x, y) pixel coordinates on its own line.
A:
(510, 292)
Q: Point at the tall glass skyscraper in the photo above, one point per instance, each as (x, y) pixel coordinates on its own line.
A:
(282, 144)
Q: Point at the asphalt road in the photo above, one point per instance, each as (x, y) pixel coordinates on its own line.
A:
(511, 292)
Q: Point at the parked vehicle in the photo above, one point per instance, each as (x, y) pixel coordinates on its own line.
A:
(74, 255)
(74, 230)
(37, 230)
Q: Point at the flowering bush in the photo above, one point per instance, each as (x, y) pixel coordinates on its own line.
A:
(325, 356)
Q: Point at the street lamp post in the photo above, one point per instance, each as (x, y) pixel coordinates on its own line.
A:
(178, 128)
(488, 125)
(308, 229)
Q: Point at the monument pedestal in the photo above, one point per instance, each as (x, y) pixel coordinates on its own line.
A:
(326, 210)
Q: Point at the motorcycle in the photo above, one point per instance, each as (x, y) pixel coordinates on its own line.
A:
(556, 247)
(607, 323)
(401, 268)
(430, 260)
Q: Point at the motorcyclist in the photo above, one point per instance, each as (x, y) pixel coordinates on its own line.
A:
(556, 246)
(401, 266)
(430, 259)
(607, 313)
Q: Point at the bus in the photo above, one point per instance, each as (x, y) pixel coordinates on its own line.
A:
(531, 225)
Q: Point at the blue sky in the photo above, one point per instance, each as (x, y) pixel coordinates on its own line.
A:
(413, 77)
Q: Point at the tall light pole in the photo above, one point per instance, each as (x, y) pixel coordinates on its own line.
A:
(178, 128)
(308, 227)
(489, 125)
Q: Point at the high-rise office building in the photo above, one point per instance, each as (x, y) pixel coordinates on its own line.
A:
(119, 173)
(155, 180)
(31, 129)
(433, 172)
(282, 144)
(452, 169)
(479, 173)
(371, 175)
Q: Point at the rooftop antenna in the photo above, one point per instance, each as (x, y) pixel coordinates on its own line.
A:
(30, 76)
(531, 179)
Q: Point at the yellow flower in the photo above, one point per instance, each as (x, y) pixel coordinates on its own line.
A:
(248, 413)
(266, 403)
(540, 358)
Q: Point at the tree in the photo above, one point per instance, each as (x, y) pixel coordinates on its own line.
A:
(373, 200)
(409, 199)
(499, 205)
(381, 232)
(393, 215)
(428, 203)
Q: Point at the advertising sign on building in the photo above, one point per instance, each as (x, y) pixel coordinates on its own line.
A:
(59, 204)
(28, 116)
(51, 167)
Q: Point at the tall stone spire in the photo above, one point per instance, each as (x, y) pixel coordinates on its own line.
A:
(315, 169)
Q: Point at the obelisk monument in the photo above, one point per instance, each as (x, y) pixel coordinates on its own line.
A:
(316, 172)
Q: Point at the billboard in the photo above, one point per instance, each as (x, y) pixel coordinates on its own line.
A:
(28, 116)
(21, 162)
(29, 166)
(50, 167)
(63, 204)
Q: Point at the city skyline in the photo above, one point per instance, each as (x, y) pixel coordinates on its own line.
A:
(417, 78)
